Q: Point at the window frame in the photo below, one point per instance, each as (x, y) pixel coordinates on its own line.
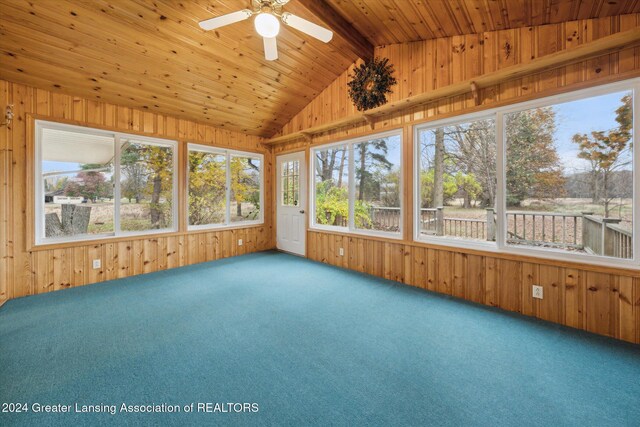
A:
(350, 228)
(498, 113)
(39, 218)
(447, 240)
(228, 154)
(280, 183)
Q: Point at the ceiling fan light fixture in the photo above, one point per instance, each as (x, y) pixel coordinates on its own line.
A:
(267, 25)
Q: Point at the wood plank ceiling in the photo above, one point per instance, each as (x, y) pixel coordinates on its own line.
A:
(397, 21)
(151, 54)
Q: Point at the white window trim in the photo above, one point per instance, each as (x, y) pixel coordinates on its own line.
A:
(350, 228)
(228, 154)
(39, 217)
(445, 240)
(500, 246)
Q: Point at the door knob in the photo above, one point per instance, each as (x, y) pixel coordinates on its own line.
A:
(302, 211)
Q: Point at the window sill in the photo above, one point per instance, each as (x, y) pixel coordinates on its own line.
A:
(560, 255)
(458, 243)
(365, 233)
(231, 226)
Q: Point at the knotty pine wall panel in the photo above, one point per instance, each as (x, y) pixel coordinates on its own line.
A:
(600, 300)
(27, 270)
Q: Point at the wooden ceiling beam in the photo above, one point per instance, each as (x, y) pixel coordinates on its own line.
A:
(598, 47)
(358, 44)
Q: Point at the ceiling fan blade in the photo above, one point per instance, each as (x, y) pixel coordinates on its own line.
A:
(221, 21)
(270, 48)
(307, 27)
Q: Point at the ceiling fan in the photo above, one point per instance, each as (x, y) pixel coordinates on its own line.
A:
(267, 24)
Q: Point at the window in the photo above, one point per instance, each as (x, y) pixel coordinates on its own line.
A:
(290, 182)
(358, 186)
(555, 176)
(224, 187)
(332, 186)
(91, 183)
(457, 180)
(569, 176)
(207, 187)
(146, 185)
(245, 188)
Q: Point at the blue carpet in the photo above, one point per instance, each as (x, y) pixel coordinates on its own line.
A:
(308, 343)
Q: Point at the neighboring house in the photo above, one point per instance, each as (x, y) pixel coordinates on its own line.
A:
(51, 195)
(58, 197)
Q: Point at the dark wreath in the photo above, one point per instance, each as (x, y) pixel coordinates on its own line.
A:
(370, 83)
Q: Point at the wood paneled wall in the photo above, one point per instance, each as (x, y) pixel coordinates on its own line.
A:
(596, 300)
(25, 270)
(601, 300)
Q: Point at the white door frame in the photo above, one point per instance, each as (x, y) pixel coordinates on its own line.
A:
(292, 214)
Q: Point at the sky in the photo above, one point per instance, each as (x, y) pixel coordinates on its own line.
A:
(583, 116)
(49, 166)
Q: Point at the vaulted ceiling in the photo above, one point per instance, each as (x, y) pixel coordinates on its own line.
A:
(151, 54)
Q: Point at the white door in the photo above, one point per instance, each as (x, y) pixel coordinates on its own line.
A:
(291, 203)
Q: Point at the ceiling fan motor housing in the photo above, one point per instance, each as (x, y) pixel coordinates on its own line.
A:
(261, 4)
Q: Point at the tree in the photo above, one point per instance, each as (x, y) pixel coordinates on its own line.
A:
(90, 184)
(55, 183)
(472, 147)
(438, 169)
(455, 156)
(371, 158)
(427, 180)
(134, 173)
(159, 162)
(469, 187)
(245, 183)
(533, 164)
(607, 152)
(207, 188)
(151, 169)
(390, 191)
(332, 206)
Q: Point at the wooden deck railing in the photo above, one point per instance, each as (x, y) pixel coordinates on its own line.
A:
(565, 230)
(465, 227)
(604, 236)
(433, 221)
(428, 221)
(552, 229)
(385, 218)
